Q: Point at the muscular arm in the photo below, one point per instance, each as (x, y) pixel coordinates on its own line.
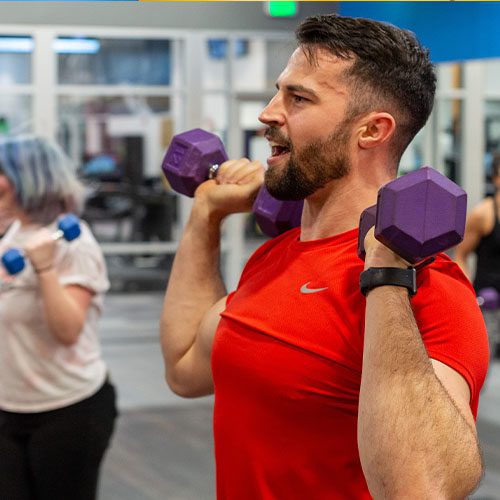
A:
(416, 433)
(195, 294)
(194, 286)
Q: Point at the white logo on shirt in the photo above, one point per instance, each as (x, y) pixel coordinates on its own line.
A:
(304, 288)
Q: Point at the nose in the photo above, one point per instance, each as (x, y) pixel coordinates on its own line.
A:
(273, 113)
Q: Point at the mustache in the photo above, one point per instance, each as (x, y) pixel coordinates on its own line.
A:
(275, 135)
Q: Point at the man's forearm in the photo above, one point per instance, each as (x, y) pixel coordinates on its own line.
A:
(195, 284)
(413, 440)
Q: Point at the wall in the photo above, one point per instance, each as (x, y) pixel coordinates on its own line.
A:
(181, 15)
(452, 31)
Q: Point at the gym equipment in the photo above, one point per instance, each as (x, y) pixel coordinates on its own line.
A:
(194, 156)
(417, 215)
(488, 299)
(68, 228)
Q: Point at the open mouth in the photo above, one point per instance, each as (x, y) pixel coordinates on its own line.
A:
(279, 150)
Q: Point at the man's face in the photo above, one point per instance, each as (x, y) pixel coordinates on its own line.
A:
(307, 129)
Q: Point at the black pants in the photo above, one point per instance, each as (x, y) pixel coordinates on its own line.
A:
(56, 455)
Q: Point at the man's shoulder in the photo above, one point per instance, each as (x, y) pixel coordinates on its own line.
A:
(445, 273)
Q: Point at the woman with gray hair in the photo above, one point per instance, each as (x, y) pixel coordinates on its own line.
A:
(57, 406)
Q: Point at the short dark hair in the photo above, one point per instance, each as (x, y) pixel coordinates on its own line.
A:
(390, 68)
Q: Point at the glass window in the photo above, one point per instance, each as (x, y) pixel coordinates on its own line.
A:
(278, 53)
(449, 138)
(90, 126)
(259, 67)
(102, 61)
(15, 114)
(249, 68)
(214, 64)
(215, 113)
(119, 143)
(449, 76)
(15, 59)
(491, 76)
(413, 157)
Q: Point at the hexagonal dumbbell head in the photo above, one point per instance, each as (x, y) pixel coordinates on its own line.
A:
(69, 226)
(275, 216)
(189, 157)
(488, 299)
(420, 214)
(13, 261)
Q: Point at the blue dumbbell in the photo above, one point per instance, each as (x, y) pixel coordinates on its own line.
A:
(68, 228)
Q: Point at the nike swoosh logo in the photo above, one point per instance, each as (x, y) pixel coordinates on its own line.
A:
(304, 289)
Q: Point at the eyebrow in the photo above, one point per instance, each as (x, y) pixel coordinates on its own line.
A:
(299, 88)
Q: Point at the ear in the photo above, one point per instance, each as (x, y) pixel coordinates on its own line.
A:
(375, 129)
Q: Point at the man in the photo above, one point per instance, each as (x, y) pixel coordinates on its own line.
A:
(319, 394)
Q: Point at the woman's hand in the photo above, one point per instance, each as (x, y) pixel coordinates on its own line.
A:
(40, 250)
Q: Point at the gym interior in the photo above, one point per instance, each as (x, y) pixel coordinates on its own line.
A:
(113, 82)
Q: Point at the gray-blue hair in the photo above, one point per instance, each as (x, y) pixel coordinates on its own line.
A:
(43, 177)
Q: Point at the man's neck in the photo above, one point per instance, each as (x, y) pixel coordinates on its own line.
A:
(336, 208)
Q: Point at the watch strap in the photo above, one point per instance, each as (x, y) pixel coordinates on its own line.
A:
(374, 277)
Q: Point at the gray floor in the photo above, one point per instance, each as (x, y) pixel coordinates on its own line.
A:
(163, 449)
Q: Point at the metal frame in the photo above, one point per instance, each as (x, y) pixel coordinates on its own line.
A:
(187, 96)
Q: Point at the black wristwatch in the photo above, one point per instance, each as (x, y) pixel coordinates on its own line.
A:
(394, 276)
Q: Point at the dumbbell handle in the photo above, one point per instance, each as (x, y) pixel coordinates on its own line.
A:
(366, 222)
(57, 235)
(212, 171)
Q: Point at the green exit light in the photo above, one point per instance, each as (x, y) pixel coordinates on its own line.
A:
(282, 9)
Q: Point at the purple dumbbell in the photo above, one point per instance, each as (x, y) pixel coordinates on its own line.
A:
(68, 228)
(194, 156)
(417, 215)
(488, 299)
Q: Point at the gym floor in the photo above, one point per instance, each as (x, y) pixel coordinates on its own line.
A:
(162, 448)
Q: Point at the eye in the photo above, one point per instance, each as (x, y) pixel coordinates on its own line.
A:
(299, 98)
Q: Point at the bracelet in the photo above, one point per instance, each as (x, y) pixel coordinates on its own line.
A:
(47, 268)
(393, 276)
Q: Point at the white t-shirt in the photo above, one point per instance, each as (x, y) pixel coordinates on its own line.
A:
(37, 372)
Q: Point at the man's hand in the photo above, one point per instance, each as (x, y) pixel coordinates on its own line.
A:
(234, 189)
(378, 255)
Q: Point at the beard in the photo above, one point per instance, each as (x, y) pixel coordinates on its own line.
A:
(311, 167)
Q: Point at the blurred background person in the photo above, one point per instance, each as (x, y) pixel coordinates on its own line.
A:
(482, 239)
(57, 406)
